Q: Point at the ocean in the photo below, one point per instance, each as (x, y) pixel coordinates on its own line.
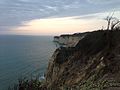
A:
(23, 56)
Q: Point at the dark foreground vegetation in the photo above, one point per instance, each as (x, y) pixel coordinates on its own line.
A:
(28, 84)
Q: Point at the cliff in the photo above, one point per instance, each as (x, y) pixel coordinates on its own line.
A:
(69, 40)
(91, 62)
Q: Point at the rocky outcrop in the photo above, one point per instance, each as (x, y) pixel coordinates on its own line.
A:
(69, 40)
(92, 64)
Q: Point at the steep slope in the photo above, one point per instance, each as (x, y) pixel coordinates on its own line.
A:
(93, 63)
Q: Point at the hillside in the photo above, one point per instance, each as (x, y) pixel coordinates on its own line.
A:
(92, 64)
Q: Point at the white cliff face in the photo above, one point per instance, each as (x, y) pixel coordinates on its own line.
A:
(68, 40)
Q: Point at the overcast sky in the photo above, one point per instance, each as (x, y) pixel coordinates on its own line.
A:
(15, 14)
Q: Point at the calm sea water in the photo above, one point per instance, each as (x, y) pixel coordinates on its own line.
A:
(22, 56)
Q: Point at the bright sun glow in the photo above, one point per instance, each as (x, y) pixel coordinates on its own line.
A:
(57, 26)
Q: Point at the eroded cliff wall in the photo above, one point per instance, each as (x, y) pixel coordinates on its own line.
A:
(94, 62)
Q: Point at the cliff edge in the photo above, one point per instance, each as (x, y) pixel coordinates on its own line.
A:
(68, 40)
(92, 64)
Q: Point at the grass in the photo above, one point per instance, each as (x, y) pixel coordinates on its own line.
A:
(90, 84)
(28, 84)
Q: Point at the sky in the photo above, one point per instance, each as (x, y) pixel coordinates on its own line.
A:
(54, 17)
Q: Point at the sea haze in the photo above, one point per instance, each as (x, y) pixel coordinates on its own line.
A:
(23, 56)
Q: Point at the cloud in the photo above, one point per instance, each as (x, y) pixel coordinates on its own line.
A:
(56, 26)
(103, 1)
(101, 15)
(51, 8)
(14, 12)
(24, 0)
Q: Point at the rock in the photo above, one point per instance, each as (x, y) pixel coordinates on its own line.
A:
(94, 62)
